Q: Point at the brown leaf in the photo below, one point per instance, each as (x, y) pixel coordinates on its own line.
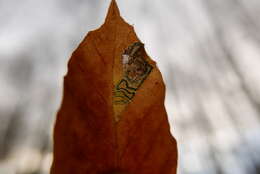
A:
(112, 118)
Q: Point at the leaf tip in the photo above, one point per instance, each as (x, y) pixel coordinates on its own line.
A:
(113, 11)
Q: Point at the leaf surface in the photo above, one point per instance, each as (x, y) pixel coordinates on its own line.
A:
(112, 118)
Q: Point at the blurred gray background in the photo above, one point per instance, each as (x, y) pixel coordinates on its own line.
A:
(207, 50)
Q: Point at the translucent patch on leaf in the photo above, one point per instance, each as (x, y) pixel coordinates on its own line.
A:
(135, 71)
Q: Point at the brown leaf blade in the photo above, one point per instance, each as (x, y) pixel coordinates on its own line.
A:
(112, 118)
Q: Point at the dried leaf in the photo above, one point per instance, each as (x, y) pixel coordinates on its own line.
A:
(112, 118)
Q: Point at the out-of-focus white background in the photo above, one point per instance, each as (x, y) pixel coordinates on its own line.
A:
(208, 52)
